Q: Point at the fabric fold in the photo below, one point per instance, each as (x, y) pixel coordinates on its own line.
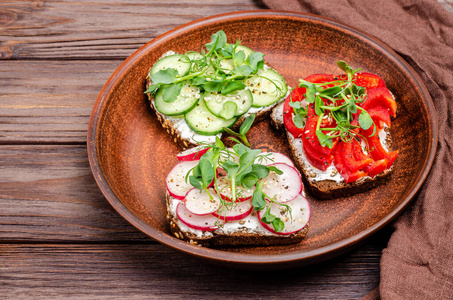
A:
(418, 261)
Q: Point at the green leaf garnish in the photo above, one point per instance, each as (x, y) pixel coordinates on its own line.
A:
(242, 130)
(166, 76)
(324, 140)
(171, 92)
(247, 124)
(243, 70)
(278, 224)
(232, 86)
(218, 40)
(260, 171)
(338, 102)
(258, 201)
(365, 121)
(249, 180)
(267, 217)
(239, 58)
(276, 170)
(244, 167)
(213, 86)
(256, 61)
(299, 120)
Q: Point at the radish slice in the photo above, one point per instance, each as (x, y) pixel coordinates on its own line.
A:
(199, 203)
(224, 187)
(300, 215)
(285, 187)
(234, 212)
(205, 223)
(275, 157)
(176, 183)
(191, 154)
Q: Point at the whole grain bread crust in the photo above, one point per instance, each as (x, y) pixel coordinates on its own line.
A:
(327, 189)
(186, 143)
(244, 237)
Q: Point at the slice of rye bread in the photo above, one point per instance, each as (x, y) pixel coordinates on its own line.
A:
(176, 125)
(327, 188)
(244, 236)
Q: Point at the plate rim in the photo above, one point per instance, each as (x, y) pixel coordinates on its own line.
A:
(243, 259)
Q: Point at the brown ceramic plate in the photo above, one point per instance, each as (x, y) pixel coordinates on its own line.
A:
(130, 154)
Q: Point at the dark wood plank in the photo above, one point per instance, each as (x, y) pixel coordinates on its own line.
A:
(48, 194)
(49, 101)
(155, 271)
(96, 30)
(99, 30)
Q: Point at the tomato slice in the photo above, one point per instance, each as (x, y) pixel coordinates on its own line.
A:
(391, 158)
(380, 115)
(381, 97)
(297, 95)
(358, 151)
(376, 149)
(367, 80)
(310, 133)
(320, 78)
(349, 155)
(376, 167)
(315, 158)
(347, 175)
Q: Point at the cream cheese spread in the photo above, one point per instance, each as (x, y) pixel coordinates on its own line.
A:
(331, 173)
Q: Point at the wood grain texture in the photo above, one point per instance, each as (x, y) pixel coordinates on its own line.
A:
(59, 238)
(117, 271)
(96, 30)
(49, 101)
(48, 194)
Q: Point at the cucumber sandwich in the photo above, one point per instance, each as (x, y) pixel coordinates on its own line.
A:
(200, 95)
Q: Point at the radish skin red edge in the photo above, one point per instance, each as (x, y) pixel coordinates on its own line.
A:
(278, 158)
(299, 218)
(239, 211)
(191, 154)
(176, 183)
(199, 212)
(284, 187)
(225, 193)
(205, 223)
(199, 203)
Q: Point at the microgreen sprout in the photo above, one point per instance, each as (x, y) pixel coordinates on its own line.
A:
(208, 73)
(336, 100)
(242, 166)
(219, 68)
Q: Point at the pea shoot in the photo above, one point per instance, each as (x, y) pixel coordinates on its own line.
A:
(343, 97)
(244, 167)
(220, 68)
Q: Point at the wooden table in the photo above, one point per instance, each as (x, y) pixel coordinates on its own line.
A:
(59, 237)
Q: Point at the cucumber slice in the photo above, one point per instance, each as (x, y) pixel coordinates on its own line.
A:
(217, 103)
(203, 122)
(247, 50)
(175, 61)
(193, 56)
(228, 64)
(268, 90)
(186, 100)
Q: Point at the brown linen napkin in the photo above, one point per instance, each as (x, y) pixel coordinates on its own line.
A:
(418, 261)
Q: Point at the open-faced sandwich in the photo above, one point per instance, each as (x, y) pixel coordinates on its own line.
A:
(197, 94)
(236, 196)
(338, 130)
